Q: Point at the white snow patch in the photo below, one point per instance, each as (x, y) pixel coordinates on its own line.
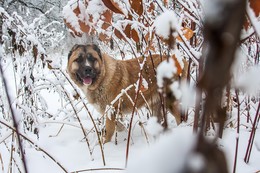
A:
(250, 81)
(175, 88)
(153, 127)
(188, 95)
(167, 156)
(95, 9)
(165, 70)
(165, 23)
(196, 162)
(70, 16)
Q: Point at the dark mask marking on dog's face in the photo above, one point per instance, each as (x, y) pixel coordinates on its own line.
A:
(88, 59)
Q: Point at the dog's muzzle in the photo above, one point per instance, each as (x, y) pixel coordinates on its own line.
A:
(86, 76)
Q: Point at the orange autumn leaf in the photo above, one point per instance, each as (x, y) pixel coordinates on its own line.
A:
(187, 32)
(255, 5)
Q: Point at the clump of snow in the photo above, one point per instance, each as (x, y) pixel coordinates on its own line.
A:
(153, 127)
(175, 88)
(168, 155)
(249, 81)
(245, 75)
(196, 162)
(165, 70)
(188, 95)
(165, 23)
(70, 16)
(95, 9)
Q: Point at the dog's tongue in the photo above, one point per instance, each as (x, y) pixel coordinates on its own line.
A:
(87, 80)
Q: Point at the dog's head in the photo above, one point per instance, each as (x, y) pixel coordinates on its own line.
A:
(84, 64)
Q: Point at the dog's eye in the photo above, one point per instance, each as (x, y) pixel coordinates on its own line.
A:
(91, 58)
(79, 59)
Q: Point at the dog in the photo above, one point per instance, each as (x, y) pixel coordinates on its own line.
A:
(103, 78)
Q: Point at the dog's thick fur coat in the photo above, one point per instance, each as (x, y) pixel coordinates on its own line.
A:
(103, 78)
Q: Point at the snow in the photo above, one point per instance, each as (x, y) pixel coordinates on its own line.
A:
(153, 127)
(196, 162)
(176, 90)
(165, 23)
(158, 157)
(249, 77)
(165, 70)
(188, 95)
(161, 152)
(152, 149)
(70, 16)
(95, 8)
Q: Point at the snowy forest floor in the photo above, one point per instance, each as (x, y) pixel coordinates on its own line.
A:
(146, 154)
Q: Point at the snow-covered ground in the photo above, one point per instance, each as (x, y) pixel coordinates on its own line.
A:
(66, 147)
(72, 153)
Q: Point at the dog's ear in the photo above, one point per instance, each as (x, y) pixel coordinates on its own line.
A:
(72, 49)
(96, 48)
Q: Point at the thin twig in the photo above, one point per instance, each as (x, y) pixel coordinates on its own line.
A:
(99, 169)
(238, 125)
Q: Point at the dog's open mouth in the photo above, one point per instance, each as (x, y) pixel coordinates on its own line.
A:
(87, 80)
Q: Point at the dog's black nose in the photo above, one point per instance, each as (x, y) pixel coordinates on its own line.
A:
(88, 70)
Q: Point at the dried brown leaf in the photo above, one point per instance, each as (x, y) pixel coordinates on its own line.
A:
(137, 6)
(113, 6)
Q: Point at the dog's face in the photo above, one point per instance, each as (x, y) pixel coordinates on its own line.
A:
(84, 64)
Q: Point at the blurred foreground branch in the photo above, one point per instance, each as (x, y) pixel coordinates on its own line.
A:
(222, 33)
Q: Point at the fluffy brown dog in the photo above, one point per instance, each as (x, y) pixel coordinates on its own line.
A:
(102, 79)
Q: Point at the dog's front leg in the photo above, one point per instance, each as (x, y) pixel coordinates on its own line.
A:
(110, 128)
